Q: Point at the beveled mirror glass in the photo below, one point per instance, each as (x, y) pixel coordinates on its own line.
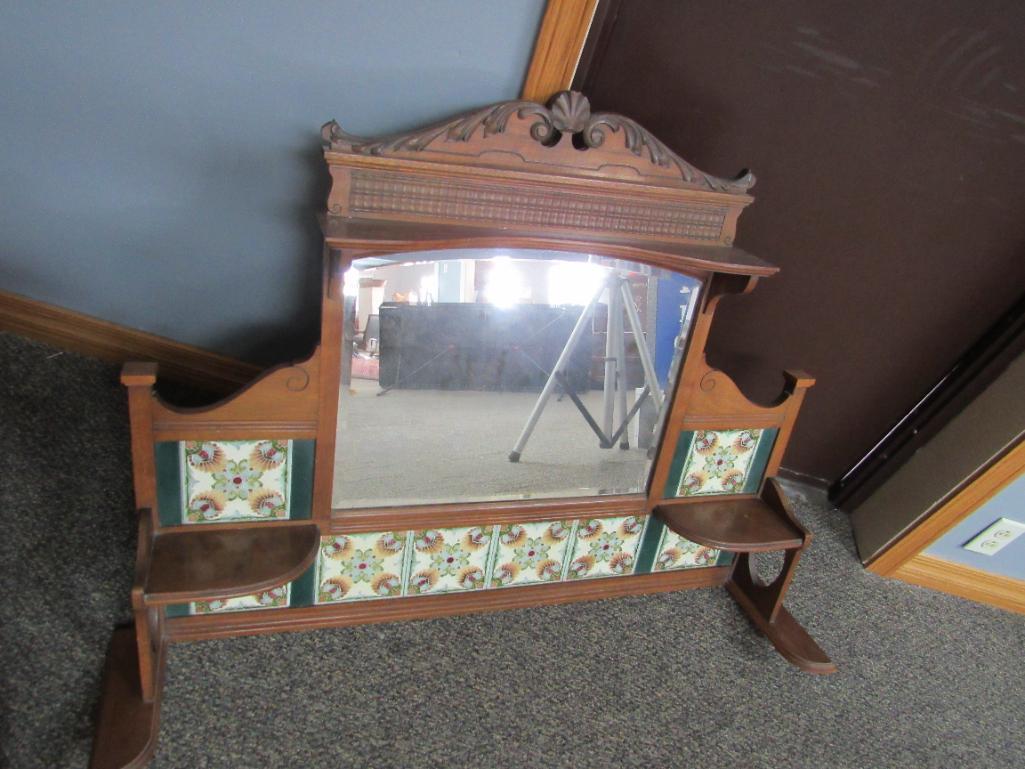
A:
(503, 374)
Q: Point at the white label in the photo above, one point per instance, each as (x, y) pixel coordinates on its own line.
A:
(995, 537)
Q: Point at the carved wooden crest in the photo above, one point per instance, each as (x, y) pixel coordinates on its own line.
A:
(564, 127)
(522, 164)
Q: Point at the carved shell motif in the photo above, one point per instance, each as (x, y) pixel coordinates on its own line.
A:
(568, 112)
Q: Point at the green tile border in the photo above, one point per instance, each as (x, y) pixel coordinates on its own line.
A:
(651, 537)
(725, 558)
(304, 587)
(301, 491)
(177, 610)
(683, 444)
(169, 491)
(756, 470)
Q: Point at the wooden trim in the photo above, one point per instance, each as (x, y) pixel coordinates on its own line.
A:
(964, 581)
(86, 335)
(208, 626)
(445, 515)
(557, 49)
(968, 497)
(332, 340)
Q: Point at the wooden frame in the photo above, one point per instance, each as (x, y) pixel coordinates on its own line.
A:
(515, 174)
(557, 49)
(907, 561)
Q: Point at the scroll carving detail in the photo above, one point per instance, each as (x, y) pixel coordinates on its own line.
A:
(298, 380)
(569, 112)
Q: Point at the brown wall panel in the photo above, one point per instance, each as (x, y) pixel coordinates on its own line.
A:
(889, 143)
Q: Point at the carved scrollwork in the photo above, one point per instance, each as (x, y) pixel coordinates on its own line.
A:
(298, 380)
(708, 381)
(493, 120)
(640, 141)
(568, 112)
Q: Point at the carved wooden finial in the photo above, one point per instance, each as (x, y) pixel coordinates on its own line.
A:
(570, 111)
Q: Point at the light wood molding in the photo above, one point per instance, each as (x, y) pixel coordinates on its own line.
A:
(557, 48)
(964, 581)
(970, 495)
(86, 335)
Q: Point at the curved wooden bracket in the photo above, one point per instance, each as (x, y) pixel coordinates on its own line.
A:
(747, 525)
(763, 603)
(287, 398)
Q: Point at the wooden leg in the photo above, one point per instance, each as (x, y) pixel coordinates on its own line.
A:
(764, 604)
(127, 726)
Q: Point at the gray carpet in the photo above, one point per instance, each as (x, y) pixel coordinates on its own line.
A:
(423, 446)
(674, 680)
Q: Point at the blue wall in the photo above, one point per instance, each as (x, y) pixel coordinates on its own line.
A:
(160, 162)
(1009, 562)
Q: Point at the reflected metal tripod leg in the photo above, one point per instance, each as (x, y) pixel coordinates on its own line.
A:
(560, 364)
(611, 363)
(642, 346)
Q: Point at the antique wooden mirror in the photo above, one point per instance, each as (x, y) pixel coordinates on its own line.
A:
(509, 406)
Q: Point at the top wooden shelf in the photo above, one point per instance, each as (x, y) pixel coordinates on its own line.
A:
(206, 565)
(394, 236)
(745, 525)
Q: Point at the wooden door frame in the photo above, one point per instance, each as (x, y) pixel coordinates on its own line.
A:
(557, 49)
(906, 560)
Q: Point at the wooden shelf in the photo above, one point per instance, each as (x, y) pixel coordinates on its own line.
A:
(744, 525)
(199, 565)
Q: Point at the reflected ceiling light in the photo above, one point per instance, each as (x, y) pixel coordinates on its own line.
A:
(574, 282)
(350, 286)
(505, 283)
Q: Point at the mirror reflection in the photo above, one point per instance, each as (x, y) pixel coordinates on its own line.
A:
(503, 374)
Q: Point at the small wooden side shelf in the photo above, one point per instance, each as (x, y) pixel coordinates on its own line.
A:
(206, 565)
(740, 525)
(755, 525)
(180, 566)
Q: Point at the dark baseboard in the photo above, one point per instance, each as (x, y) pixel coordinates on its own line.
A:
(799, 477)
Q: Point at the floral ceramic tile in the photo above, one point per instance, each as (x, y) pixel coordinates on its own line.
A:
(235, 480)
(527, 553)
(675, 552)
(361, 566)
(605, 547)
(275, 598)
(449, 560)
(718, 462)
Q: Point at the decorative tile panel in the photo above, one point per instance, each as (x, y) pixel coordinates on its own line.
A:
(715, 462)
(605, 547)
(675, 552)
(275, 598)
(529, 553)
(361, 566)
(235, 480)
(450, 560)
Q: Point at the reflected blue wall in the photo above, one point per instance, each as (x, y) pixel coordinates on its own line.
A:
(674, 293)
